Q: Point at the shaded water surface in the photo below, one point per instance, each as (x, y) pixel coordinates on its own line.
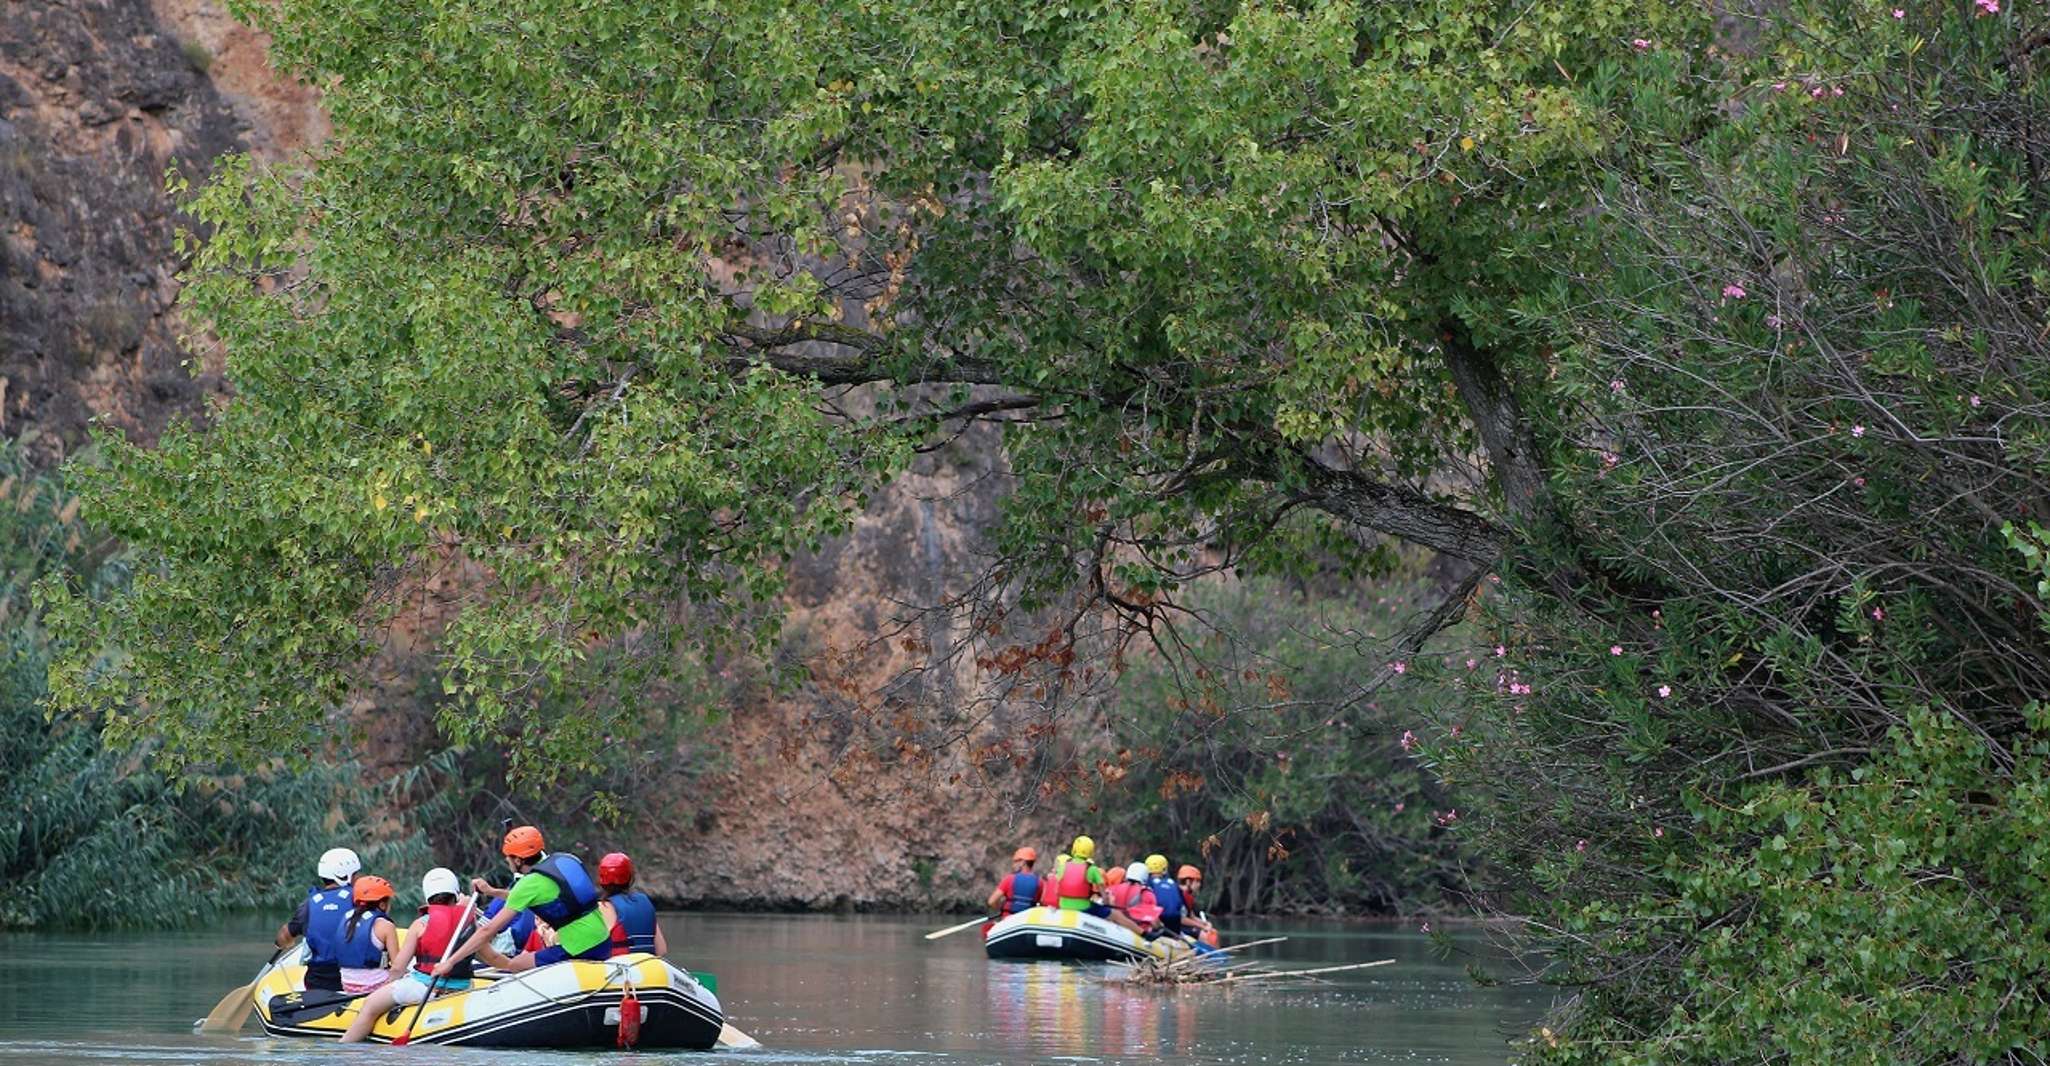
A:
(817, 989)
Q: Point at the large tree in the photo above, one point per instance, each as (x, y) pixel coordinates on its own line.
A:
(623, 304)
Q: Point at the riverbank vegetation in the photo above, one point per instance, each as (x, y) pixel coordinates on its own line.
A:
(1705, 352)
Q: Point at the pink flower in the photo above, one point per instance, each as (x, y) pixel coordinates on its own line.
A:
(1974, 400)
(1816, 93)
(1774, 321)
(1424, 928)
(1609, 460)
(1879, 614)
(1899, 14)
(1500, 651)
(1779, 86)
(1857, 431)
(1639, 43)
(1471, 663)
(1457, 730)
(1448, 817)
(1734, 291)
(1836, 90)
(1858, 481)
(1988, 7)
(1401, 667)
(1399, 805)
(1658, 831)
(1616, 386)
(1581, 846)
(1615, 649)
(1665, 691)
(1408, 741)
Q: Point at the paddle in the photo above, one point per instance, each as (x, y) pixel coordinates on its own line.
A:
(233, 1009)
(435, 983)
(952, 929)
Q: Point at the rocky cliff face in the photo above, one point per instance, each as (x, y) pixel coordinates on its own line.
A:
(818, 805)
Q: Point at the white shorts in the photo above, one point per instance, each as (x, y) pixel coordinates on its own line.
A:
(412, 988)
(357, 981)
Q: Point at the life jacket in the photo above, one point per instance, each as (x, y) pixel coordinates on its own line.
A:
(435, 940)
(1024, 892)
(1075, 879)
(1049, 887)
(521, 927)
(1124, 894)
(362, 951)
(1169, 896)
(326, 910)
(577, 894)
(637, 920)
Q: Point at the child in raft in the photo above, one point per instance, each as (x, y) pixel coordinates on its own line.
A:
(411, 965)
(368, 936)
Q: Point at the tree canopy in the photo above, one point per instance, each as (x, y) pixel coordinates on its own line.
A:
(1704, 350)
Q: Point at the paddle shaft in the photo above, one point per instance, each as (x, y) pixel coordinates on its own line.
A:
(233, 1009)
(434, 982)
(952, 929)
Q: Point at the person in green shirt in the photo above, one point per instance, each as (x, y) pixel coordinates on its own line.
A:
(559, 892)
(1079, 884)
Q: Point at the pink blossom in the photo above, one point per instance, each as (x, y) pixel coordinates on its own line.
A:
(1857, 431)
(1500, 651)
(1581, 846)
(1836, 90)
(1988, 7)
(1448, 817)
(1858, 481)
(1734, 291)
(1399, 805)
(1615, 649)
(1408, 740)
(1665, 691)
(1658, 831)
(1471, 663)
(1401, 667)
(1457, 730)
(1899, 14)
(1616, 386)
(1779, 86)
(1609, 460)
(1424, 928)
(1974, 400)
(1774, 321)
(1879, 614)
(1639, 43)
(1816, 93)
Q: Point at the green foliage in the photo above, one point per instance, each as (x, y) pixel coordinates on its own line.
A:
(1259, 766)
(88, 834)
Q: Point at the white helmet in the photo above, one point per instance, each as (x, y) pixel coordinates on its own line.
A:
(439, 880)
(1136, 872)
(339, 864)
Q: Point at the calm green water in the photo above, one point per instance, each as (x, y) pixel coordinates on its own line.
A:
(816, 989)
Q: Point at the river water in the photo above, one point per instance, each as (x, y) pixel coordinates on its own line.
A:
(819, 989)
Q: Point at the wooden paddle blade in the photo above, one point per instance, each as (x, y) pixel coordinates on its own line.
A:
(952, 929)
(732, 1038)
(229, 1014)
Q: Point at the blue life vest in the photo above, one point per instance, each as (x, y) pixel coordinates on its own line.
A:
(520, 929)
(362, 951)
(326, 910)
(1169, 896)
(1024, 892)
(576, 895)
(637, 916)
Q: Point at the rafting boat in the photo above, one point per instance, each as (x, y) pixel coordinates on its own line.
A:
(574, 1004)
(1052, 933)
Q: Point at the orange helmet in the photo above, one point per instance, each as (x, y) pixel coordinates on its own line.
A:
(1025, 855)
(370, 889)
(524, 842)
(1188, 873)
(1114, 876)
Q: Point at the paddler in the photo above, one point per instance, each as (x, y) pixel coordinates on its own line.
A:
(629, 914)
(559, 892)
(1190, 880)
(1174, 912)
(1130, 896)
(426, 940)
(1078, 883)
(320, 916)
(1019, 890)
(368, 936)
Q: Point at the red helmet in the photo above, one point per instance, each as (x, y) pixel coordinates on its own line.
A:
(1025, 855)
(615, 870)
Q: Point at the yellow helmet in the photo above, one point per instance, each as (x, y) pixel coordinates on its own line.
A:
(1083, 848)
(1156, 865)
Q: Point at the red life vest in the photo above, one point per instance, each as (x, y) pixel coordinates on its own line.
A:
(435, 940)
(1075, 880)
(1124, 894)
